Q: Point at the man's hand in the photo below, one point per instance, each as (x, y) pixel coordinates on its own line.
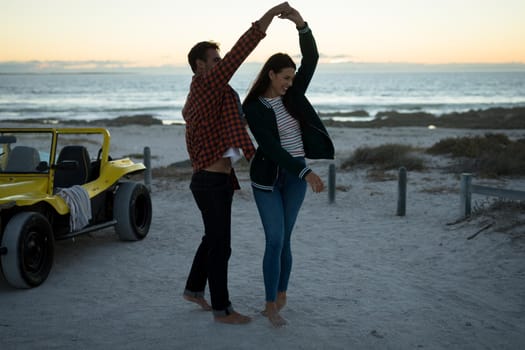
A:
(294, 16)
(279, 10)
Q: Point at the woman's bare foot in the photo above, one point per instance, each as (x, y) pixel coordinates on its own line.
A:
(233, 318)
(199, 301)
(277, 320)
(281, 300)
(280, 303)
(273, 315)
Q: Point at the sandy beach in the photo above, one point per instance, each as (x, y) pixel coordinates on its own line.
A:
(363, 277)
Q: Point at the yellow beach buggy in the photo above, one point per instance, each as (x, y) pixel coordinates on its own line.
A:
(57, 183)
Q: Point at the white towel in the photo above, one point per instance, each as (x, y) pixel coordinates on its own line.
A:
(77, 199)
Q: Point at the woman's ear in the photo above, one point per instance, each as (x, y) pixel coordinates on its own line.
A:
(271, 74)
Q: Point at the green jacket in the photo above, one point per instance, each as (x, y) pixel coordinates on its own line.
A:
(270, 155)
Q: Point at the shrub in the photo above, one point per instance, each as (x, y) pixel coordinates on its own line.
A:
(385, 157)
(491, 155)
(470, 146)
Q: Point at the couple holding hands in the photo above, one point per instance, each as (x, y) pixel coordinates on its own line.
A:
(287, 130)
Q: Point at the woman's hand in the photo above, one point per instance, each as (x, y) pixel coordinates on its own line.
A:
(315, 182)
(279, 11)
(294, 16)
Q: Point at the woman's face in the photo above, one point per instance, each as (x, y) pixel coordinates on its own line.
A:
(280, 82)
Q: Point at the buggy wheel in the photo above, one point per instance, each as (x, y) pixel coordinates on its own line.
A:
(132, 211)
(28, 237)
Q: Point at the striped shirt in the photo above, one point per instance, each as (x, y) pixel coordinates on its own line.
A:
(289, 128)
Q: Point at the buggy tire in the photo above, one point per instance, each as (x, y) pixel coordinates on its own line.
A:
(28, 237)
(132, 211)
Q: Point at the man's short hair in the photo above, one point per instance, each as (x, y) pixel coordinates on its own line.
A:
(199, 51)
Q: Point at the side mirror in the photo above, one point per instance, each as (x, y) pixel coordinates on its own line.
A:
(7, 139)
(42, 166)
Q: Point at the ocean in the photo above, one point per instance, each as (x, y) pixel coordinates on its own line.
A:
(92, 96)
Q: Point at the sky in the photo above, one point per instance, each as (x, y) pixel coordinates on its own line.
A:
(143, 33)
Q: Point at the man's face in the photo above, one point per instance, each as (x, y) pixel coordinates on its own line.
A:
(212, 58)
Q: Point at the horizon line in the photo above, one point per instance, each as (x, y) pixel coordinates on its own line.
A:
(324, 60)
(122, 67)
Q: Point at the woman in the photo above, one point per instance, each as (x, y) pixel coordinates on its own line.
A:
(287, 130)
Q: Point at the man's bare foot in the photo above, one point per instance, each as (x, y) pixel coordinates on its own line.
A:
(199, 301)
(233, 318)
(273, 315)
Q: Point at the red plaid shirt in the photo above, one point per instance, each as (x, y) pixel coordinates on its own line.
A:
(212, 110)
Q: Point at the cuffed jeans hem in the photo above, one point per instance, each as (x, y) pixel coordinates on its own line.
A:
(223, 313)
(189, 293)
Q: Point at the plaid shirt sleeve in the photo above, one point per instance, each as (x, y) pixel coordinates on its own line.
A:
(212, 114)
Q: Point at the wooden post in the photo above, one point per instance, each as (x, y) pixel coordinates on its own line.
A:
(331, 183)
(147, 163)
(402, 192)
(465, 194)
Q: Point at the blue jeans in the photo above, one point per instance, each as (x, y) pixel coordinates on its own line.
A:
(278, 210)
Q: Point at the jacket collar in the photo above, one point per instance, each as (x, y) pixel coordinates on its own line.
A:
(265, 103)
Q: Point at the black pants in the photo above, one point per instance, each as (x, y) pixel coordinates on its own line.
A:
(213, 193)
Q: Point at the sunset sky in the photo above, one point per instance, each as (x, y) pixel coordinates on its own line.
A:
(160, 32)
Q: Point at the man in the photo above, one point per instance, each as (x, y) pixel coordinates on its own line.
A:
(215, 136)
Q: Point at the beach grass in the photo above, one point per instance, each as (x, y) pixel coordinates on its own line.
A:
(492, 118)
(385, 157)
(490, 156)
